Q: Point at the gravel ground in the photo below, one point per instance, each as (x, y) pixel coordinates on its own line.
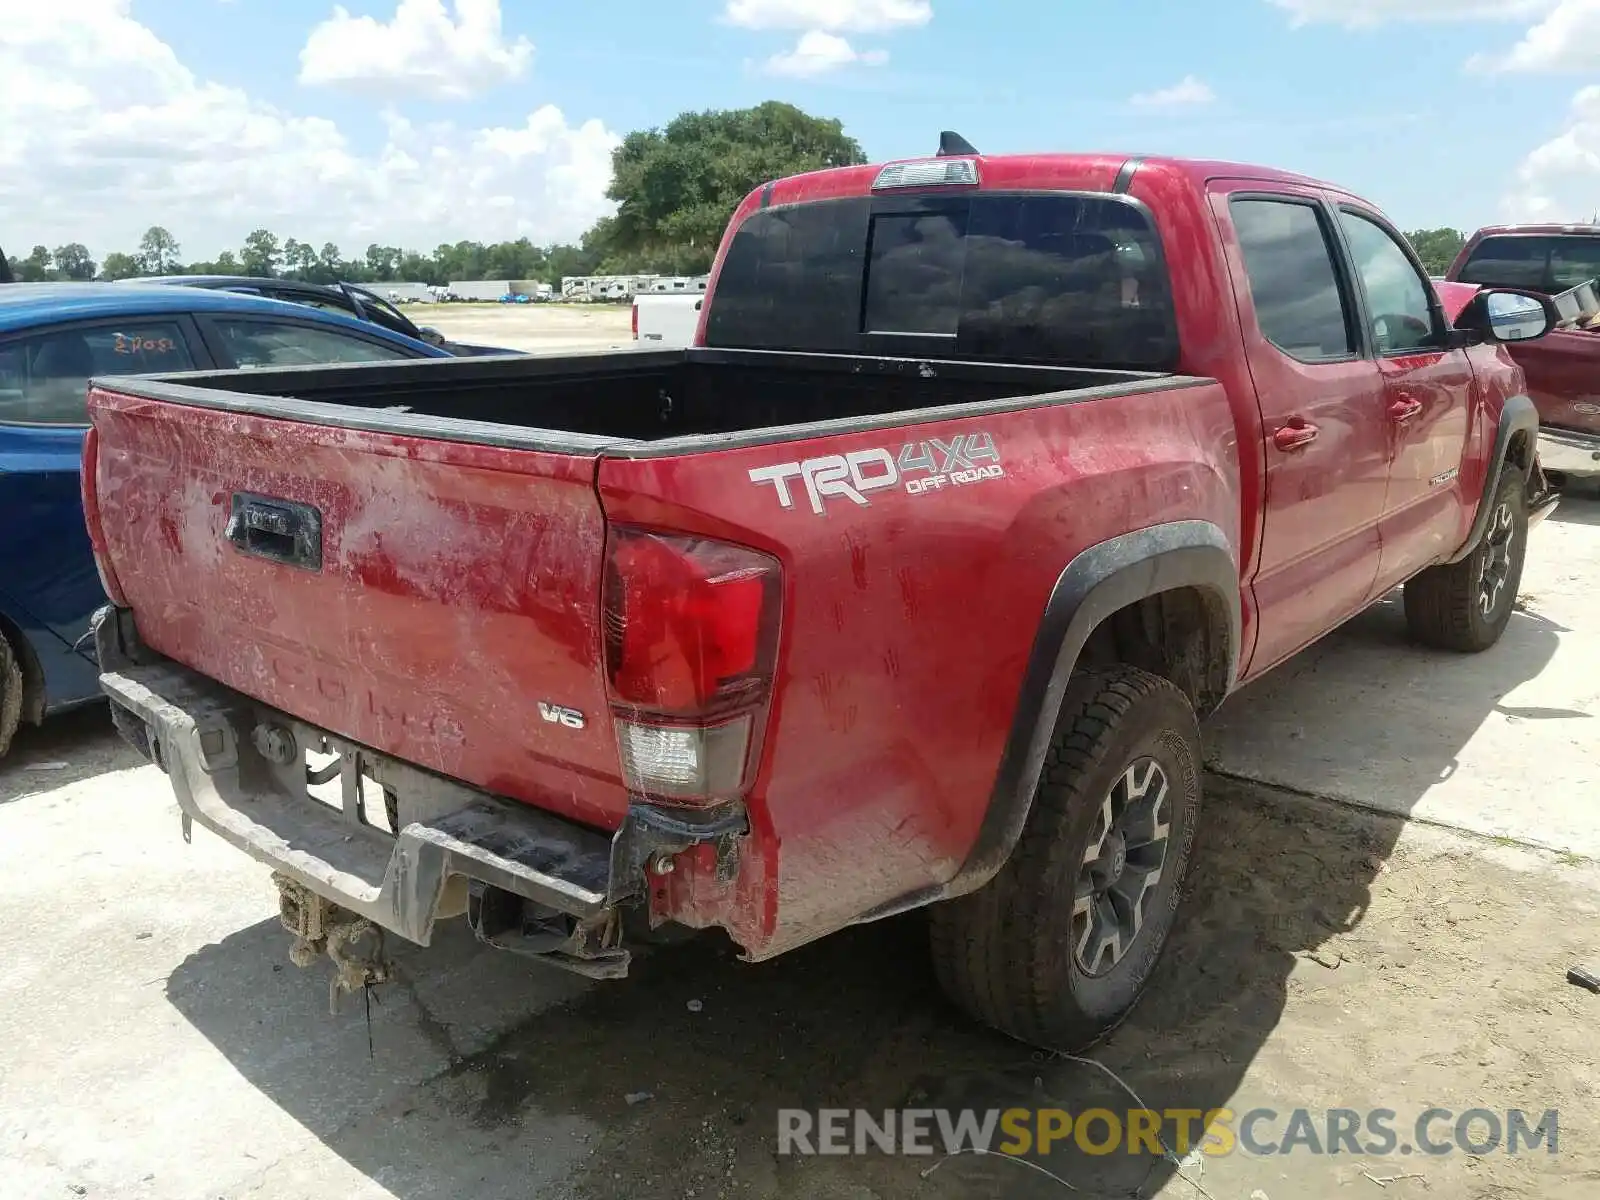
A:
(536, 328)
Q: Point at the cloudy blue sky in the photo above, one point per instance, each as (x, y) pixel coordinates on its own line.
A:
(420, 121)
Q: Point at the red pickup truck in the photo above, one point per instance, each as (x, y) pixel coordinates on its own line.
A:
(906, 585)
(1563, 369)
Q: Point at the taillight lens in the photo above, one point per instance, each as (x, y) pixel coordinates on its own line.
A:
(688, 622)
(691, 640)
(636, 320)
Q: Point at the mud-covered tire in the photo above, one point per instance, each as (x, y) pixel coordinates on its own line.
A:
(1011, 954)
(1447, 607)
(12, 693)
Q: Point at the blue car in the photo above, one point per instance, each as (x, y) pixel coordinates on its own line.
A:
(53, 338)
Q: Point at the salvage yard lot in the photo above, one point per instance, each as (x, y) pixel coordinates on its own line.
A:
(156, 1042)
(536, 328)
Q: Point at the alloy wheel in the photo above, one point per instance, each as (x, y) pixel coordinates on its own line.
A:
(1121, 868)
(1496, 559)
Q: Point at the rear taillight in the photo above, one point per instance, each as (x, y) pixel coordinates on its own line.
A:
(89, 493)
(636, 320)
(691, 628)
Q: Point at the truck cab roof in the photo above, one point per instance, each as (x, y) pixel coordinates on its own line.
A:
(1090, 171)
(1536, 229)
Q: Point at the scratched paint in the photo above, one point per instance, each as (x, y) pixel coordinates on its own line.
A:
(458, 590)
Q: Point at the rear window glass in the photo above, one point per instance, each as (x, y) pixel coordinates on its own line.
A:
(44, 377)
(1066, 279)
(1543, 263)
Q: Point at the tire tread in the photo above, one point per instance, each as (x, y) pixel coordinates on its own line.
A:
(985, 955)
(12, 694)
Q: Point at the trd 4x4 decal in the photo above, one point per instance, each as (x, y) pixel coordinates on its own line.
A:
(920, 467)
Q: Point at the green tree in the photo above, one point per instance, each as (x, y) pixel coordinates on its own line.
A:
(299, 260)
(73, 261)
(120, 266)
(259, 254)
(463, 260)
(158, 252)
(1437, 248)
(36, 267)
(411, 267)
(382, 262)
(520, 259)
(676, 187)
(331, 266)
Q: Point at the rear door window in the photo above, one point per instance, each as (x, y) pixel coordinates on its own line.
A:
(1030, 277)
(44, 376)
(1289, 262)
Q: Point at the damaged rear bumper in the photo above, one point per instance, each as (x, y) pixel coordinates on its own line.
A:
(401, 847)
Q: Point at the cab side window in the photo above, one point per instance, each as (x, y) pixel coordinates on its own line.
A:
(1289, 261)
(1398, 297)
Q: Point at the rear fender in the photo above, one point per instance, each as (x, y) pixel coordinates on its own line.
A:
(1097, 583)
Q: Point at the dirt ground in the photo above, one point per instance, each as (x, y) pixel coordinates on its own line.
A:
(536, 328)
(1318, 967)
(157, 1043)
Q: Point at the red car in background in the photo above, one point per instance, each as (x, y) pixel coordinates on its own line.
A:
(1563, 368)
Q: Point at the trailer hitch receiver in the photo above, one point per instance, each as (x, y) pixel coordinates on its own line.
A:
(354, 944)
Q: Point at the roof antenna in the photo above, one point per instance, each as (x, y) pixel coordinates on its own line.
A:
(952, 144)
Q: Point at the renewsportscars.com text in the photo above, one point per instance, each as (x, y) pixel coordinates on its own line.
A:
(1218, 1132)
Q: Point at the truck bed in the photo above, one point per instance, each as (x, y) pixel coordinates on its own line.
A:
(634, 402)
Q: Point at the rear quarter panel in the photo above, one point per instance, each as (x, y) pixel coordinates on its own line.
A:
(907, 624)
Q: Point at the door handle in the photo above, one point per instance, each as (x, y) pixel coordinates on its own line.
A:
(1404, 409)
(1295, 435)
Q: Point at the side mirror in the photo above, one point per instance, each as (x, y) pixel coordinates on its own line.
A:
(1509, 315)
(431, 335)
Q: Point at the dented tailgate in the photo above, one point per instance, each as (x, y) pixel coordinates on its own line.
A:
(438, 601)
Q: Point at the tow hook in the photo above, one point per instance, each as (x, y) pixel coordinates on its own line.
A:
(354, 944)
